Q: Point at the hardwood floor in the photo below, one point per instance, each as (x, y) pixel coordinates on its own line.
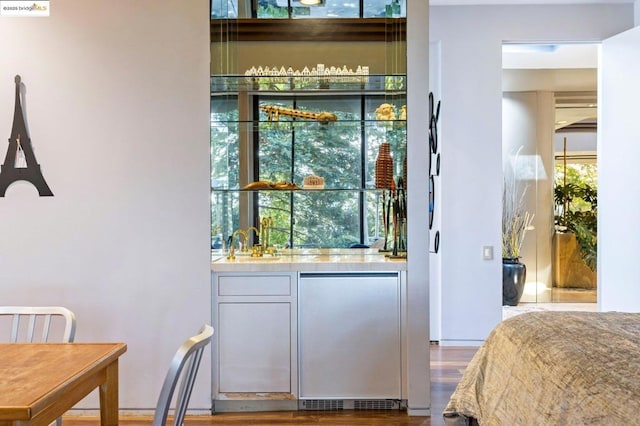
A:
(447, 365)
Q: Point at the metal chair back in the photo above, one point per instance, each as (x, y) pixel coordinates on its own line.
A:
(182, 371)
(36, 324)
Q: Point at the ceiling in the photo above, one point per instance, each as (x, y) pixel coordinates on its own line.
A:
(550, 56)
(569, 70)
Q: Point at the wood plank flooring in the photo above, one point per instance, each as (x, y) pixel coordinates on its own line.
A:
(447, 365)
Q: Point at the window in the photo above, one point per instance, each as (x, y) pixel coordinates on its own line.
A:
(349, 209)
(273, 9)
(225, 132)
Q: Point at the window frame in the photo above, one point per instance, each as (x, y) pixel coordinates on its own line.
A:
(364, 101)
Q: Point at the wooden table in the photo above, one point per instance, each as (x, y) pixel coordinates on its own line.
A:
(41, 381)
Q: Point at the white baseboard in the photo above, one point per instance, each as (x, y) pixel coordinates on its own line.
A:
(472, 343)
(424, 412)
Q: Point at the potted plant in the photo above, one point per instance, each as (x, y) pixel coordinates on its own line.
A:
(516, 221)
(575, 239)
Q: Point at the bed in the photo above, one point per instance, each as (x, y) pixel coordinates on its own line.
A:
(553, 368)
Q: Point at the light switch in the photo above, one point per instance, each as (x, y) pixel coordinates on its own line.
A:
(487, 252)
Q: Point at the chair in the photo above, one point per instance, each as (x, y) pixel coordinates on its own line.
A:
(38, 327)
(188, 355)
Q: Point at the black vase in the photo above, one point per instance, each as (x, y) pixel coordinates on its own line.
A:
(514, 274)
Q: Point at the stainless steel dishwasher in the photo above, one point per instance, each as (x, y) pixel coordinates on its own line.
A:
(349, 337)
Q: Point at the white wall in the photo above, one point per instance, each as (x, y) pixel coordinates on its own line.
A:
(576, 141)
(418, 385)
(565, 80)
(618, 174)
(117, 102)
(471, 44)
(435, 299)
(527, 142)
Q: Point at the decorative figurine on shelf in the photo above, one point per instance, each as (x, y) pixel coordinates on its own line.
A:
(274, 113)
(313, 182)
(403, 113)
(265, 184)
(384, 180)
(384, 167)
(386, 112)
(400, 220)
(394, 213)
(329, 73)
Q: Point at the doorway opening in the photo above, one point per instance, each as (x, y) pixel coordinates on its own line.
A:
(549, 141)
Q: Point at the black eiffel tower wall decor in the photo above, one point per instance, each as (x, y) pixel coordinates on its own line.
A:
(21, 152)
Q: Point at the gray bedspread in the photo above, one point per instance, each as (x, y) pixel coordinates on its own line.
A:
(553, 368)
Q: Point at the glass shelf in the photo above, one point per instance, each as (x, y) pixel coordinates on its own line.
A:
(312, 85)
(328, 129)
(301, 189)
(286, 121)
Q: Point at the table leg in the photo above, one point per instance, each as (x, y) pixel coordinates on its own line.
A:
(109, 396)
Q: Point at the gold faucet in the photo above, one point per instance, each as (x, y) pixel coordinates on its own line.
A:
(246, 240)
(232, 246)
(255, 230)
(256, 250)
(265, 234)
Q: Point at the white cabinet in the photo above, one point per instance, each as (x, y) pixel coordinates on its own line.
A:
(287, 340)
(255, 348)
(349, 335)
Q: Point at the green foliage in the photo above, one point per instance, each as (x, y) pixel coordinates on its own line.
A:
(224, 168)
(272, 11)
(576, 207)
(290, 150)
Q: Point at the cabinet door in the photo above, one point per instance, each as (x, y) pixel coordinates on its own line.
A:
(255, 347)
(349, 336)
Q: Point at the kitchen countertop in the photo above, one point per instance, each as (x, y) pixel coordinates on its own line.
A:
(294, 260)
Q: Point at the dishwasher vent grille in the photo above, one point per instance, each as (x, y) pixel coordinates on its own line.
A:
(350, 404)
(375, 404)
(323, 404)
